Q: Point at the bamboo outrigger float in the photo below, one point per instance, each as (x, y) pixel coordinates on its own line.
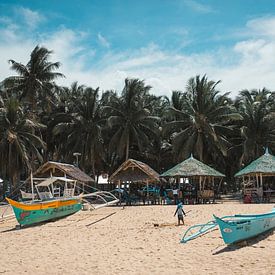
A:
(234, 228)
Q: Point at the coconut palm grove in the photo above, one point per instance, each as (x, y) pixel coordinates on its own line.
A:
(43, 121)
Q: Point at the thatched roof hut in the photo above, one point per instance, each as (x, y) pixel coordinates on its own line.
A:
(57, 169)
(201, 175)
(192, 167)
(257, 174)
(264, 165)
(134, 171)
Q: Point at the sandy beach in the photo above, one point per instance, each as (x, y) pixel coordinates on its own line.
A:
(126, 242)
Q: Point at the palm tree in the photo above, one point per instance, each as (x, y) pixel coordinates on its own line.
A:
(130, 119)
(35, 79)
(20, 143)
(257, 131)
(202, 124)
(82, 129)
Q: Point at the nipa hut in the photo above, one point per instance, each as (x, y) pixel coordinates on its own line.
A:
(57, 169)
(200, 175)
(134, 171)
(258, 178)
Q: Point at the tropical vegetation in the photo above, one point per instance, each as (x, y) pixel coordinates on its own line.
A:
(41, 120)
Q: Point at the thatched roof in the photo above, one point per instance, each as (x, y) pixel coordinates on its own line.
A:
(264, 164)
(60, 169)
(191, 167)
(134, 171)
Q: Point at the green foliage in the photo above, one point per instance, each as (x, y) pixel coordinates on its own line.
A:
(42, 121)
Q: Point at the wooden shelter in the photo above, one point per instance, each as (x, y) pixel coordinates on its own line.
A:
(258, 173)
(58, 169)
(199, 174)
(134, 171)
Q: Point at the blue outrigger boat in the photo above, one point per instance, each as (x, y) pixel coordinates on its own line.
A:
(234, 228)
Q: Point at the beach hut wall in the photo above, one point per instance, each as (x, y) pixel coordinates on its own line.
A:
(192, 167)
(58, 169)
(134, 171)
(264, 165)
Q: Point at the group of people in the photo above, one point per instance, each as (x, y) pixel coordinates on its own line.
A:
(164, 196)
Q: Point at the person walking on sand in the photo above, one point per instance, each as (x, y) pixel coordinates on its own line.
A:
(180, 213)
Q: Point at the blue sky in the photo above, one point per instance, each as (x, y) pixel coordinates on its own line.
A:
(100, 43)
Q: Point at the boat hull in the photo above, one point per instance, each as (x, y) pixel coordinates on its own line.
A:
(243, 227)
(27, 214)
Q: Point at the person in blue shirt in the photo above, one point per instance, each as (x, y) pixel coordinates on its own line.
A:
(180, 213)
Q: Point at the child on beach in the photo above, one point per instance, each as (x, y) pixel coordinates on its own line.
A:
(180, 213)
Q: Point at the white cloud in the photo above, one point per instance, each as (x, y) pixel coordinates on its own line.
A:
(103, 41)
(249, 64)
(198, 7)
(263, 26)
(30, 17)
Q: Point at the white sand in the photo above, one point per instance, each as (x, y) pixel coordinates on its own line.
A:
(128, 243)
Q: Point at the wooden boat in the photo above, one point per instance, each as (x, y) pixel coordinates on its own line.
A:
(31, 213)
(48, 207)
(233, 228)
(242, 227)
(57, 199)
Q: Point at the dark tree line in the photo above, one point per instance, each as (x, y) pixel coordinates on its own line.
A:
(41, 121)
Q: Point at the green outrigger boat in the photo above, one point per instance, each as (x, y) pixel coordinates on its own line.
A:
(50, 205)
(234, 228)
(31, 213)
(55, 202)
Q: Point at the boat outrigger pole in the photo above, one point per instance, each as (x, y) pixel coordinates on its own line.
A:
(32, 187)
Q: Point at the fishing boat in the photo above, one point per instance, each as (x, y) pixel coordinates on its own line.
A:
(27, 214)
(56, 198)
(51, 203)
(242, 227)
(233, 228)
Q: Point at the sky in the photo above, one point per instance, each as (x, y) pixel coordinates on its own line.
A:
(163, 42)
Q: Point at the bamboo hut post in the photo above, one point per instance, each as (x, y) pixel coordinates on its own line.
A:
(261, 187)
(213, 186)
(147, 188)
(219, 186)
(203, 184)
(119, 184)
(261, 180)
(243, 185)
(213, 182)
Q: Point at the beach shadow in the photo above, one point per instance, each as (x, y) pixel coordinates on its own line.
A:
(17, 227)
(249, 242)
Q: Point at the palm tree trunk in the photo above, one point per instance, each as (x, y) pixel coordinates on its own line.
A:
(200, 146)
(127, 148)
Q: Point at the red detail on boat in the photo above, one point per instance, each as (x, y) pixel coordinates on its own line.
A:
(25, 214)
